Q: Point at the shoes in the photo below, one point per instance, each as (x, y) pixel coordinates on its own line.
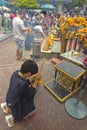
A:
(4, 107)
(9, 120)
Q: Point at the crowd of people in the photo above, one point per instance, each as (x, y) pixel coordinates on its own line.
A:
(40, 23)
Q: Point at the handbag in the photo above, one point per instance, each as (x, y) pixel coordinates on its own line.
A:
(16, 107)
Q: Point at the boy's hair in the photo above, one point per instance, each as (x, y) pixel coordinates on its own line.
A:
(29, 66)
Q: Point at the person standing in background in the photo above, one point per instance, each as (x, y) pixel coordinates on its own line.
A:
(6, 18)
(6, 14)
(19, 33)
(47, 20)
(12, 15)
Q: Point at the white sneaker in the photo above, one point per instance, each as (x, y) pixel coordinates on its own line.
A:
(9, 120)
(4, 107)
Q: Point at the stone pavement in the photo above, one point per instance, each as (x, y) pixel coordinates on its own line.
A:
(51, 114)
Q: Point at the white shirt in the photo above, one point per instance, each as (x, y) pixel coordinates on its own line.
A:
(38, 28)
(18, 25)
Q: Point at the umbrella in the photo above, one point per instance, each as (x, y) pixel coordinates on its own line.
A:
(47, 6)
(4, 2)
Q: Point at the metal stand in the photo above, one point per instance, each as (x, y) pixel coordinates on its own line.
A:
(36, 49)
(75, 107)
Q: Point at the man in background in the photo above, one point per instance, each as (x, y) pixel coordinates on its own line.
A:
(19, 33)
(39, 29)
(46, 20)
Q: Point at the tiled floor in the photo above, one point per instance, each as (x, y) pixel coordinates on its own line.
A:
(51, 114)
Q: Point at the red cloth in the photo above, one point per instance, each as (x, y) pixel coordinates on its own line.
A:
(12, 16)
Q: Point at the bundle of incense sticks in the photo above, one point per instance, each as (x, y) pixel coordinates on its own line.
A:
(41, 68)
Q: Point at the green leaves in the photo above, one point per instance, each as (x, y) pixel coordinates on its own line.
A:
(27, 4)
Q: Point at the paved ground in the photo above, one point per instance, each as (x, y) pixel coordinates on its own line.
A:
(5, 36)
(51, 114)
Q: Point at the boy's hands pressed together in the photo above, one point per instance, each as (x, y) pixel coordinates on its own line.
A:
(35, 78)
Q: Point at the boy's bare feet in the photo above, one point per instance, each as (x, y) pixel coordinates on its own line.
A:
(18, 58)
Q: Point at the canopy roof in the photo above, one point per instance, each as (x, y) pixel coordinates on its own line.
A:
(47, 6)
(3, 2)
